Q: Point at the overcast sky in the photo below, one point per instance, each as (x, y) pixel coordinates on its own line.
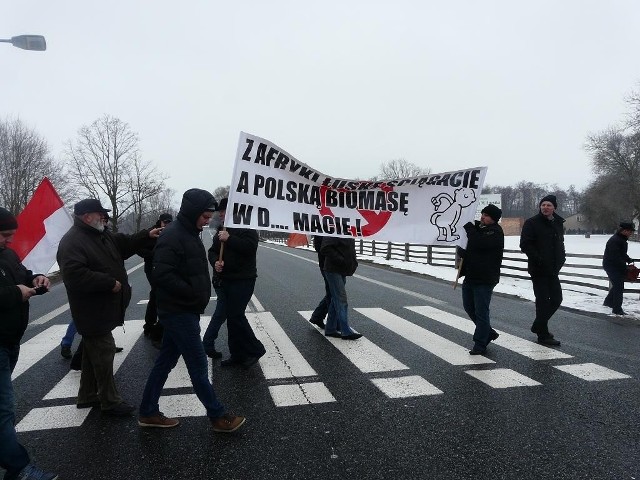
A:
(341, 85)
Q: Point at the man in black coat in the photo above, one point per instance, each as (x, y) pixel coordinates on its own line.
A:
(233, 258)
(481, 264)
(542, 240)
(615, 262)
(183, 288)
(340, 262)
(91, 260)
(17, 285)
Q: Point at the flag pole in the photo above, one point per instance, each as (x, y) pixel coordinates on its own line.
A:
(455, 283)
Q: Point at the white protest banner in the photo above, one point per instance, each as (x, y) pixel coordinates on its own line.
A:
(272, 190)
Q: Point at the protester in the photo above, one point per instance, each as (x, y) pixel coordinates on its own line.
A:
(481, 262)
(542, 240)
(233, 257)
(340, 262)
(615, 262)
(17, 285)
(183, 289)
(91, 260)
(320, 312)
(152, 328)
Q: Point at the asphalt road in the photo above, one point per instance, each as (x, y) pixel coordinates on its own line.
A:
(405, 402)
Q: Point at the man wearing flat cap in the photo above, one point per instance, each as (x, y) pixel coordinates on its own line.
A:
(480, 267)
(615, 262)
(542, 240)
(91, 260)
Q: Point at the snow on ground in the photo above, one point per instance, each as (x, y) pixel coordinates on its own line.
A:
(580, 298)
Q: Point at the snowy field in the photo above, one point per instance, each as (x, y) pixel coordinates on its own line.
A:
(581, 298)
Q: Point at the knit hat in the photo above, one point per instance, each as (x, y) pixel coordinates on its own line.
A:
(165, 217)
(549, 198)
(7, 220)
(494, 212)
(89, 205)
(627, 226)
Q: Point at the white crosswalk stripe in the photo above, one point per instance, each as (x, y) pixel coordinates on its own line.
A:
(292, 379)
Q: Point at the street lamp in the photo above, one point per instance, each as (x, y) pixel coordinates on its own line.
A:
(27, 42)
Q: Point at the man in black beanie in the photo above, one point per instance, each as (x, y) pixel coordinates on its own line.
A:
(17, 285)
(542, 240)
(481, 264)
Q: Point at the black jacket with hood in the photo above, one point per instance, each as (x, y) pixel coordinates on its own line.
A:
(180, 268)
(483, 255)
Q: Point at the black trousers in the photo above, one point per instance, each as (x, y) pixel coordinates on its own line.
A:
(614, 297)
(548, 292)
(242, 340)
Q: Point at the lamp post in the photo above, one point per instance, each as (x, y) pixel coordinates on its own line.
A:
(27, 42)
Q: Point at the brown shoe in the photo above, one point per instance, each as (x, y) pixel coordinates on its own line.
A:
(227, 423)
(159, 421)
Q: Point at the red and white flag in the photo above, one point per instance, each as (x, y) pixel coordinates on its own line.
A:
(41, 225)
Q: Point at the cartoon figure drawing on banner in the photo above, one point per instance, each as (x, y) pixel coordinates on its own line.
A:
(448, 211)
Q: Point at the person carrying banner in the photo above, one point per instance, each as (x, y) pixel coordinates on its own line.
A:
(481, 264)
(233, 257)
(340, 262)
(183, 288)
(615, 262)
(153, 328)
(17, 285)
(91, 260)
(542, 240)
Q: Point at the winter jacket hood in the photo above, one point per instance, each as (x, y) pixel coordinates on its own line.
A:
(194, 203)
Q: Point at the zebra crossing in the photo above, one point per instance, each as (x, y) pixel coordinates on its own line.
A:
(292, 380)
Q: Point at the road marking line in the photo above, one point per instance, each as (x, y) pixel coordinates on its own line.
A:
(37, 347)
(283, 359)
(403, 387)
(50, 315)
(70, 384)
(300, 394)
(363, 353)
(591, 372)
(502, 378)
(447, 350)
(510, 342)
(48, 418)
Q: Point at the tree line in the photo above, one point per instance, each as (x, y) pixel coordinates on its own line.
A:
(104, 161)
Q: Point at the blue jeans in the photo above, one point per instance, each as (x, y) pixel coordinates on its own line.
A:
(13, 456)
(217, 319)
(323, 307)
(339, 307)
(181, 337)
(476, 298)
(67, 340)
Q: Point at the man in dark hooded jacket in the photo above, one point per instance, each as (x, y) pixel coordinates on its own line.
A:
(542, 240)
(183, 289)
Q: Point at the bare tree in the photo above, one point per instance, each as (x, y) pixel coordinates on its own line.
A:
(615, 160)
(24, 161)
(633, 100)
(105, 162)
(221, 192)
(400, 168)
(144, 183)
